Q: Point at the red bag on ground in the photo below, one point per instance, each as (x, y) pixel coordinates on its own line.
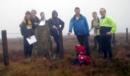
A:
(82, 57)
(79, 48)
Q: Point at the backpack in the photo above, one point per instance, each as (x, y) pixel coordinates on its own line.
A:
(81, 57)
(84, 59)
(79, 48)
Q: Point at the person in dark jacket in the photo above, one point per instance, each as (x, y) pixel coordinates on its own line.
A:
(56, 27)
(35, 19)
(27, 30)
(80, 25)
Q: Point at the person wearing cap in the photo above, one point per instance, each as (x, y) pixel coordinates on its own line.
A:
(35, 19)
(26, 28)
(95, 25)
(107, 28)
(81, 29)
(56, 27)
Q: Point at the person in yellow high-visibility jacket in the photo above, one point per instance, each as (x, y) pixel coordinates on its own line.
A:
(107, 28)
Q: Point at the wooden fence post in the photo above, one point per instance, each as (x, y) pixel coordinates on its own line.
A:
(114, 40)
(61, 45)
(126, 35)
(5, 48)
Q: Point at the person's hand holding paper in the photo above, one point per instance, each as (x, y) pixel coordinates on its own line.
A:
(32, 39)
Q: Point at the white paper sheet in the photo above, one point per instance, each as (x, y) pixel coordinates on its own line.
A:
(42, 23)
(31, 40)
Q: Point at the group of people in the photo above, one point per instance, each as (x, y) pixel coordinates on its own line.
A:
(31, 22)
(103, 27)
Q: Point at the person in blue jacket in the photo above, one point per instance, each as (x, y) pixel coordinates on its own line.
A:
(81, 29)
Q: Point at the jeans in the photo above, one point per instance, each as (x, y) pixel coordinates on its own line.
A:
(106, 42)
(27, 49)
(83, 40)
(97, 43)
(106, 46)
(56, 35)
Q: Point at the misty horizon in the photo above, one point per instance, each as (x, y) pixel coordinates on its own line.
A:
(12, 12)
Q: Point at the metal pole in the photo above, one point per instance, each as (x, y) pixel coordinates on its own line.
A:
(61, 45)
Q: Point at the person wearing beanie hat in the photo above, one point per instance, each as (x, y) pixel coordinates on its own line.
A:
(56, 27)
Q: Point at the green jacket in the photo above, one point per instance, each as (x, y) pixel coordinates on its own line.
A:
(108, 22)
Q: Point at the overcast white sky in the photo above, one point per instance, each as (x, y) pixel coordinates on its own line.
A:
(12, 11)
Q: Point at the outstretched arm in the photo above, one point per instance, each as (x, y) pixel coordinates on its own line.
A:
(71, 25)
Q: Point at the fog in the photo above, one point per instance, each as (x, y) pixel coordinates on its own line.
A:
(12, 12)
